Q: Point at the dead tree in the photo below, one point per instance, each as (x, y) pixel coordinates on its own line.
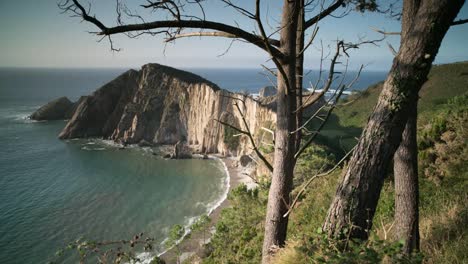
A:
(356, 199)
(287, 55)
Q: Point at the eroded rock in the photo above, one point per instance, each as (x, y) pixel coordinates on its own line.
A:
(54, 110)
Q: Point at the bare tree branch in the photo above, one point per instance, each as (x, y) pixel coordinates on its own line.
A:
(459, 22)
(317, 175)
(267, 45)
(315, 133)
(246, 132)
(252, 140)
(74, 7)
(385, 33)
(331, 73)
(241, 10)
(273, 42)
(323, 14)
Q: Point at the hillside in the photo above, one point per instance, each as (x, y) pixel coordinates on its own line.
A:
(443, 170)
(445, 81)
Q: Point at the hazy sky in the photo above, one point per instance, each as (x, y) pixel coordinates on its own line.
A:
(36, 34)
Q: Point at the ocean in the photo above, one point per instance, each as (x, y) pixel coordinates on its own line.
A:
(53, 191)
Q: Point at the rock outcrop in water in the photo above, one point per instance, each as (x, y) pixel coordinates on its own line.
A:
(57, 109)
(163, 105)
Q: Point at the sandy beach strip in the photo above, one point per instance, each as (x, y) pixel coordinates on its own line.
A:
(192, 245)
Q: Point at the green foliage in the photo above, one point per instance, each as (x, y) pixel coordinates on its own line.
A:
(443, 149)
(175, 234)
(318, 248)
(157, 260)
(201, 223)
(239, 231)
(229, 138)
(265, 138)
(313, 160)
(374, 250)
(443, 210)
(310, 212)
(444, 82)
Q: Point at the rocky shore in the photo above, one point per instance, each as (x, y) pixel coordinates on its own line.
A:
(161, 106)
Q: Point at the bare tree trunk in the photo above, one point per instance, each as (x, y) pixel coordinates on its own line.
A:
(299, 69)
(356, 199)
(283, 166)
(406, 186)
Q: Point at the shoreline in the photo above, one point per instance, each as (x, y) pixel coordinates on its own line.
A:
(192, 245)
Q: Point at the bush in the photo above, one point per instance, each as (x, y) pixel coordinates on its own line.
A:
(313, 160)
(229, 138)
(239, 231)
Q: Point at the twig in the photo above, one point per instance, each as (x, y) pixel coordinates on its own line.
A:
(317, 175)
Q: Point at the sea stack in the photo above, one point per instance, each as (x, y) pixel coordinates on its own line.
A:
(55, 110)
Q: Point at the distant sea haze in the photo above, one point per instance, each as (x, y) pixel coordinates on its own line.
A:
(46, 84)
(53, 191)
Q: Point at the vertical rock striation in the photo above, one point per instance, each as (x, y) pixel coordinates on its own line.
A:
(164, 105)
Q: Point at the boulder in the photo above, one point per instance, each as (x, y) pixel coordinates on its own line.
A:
(144, 143)
(53, 110)
(245, 160)
(181, 151)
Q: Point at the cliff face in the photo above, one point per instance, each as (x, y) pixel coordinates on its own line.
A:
(163, 105)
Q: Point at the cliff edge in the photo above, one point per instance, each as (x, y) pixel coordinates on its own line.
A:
(163, 105)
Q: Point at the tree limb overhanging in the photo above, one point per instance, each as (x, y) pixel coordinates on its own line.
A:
(247, 131)
(287, 54)
(459, 22)
(273, 42)
(77, 9)
(310, 22)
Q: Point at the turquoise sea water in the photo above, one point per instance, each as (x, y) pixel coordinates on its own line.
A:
(53, 191)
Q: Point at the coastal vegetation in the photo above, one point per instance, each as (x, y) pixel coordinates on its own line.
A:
(348, 229)
(443, 187)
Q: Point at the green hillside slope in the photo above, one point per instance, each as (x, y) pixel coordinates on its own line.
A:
(445, 81)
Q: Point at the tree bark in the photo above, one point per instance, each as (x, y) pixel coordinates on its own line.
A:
(405, 163)
(406, 186)
(299, 70)
(356, 199)
(283, 166)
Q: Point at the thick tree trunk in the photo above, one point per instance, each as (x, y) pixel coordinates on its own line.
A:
(283, 166)
(405, 163)
(406, 186)
(356, 199)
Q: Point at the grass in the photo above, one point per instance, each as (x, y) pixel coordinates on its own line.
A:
(345, 125)
(443, 202)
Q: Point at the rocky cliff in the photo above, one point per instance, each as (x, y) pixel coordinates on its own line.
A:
(60, 108)
(164, 105)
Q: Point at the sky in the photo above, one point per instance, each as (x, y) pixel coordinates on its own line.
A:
(36, 34)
